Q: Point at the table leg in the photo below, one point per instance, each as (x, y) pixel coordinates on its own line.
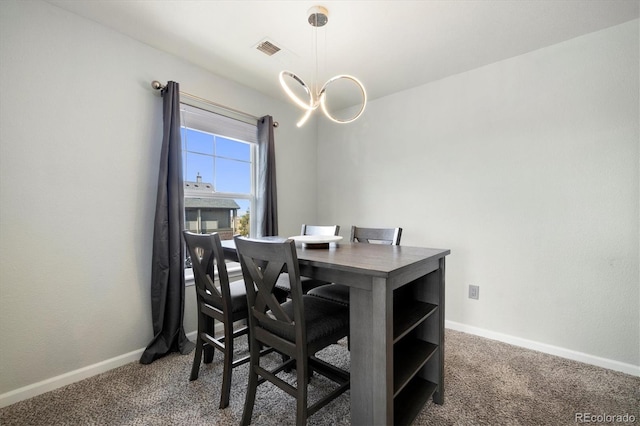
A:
(431, 290)
(438, 397)
(371, 342)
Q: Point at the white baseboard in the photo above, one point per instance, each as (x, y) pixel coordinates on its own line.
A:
(53, 383)
(610, 364)
(39, 388)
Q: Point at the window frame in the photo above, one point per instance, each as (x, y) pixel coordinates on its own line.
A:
(233, 268)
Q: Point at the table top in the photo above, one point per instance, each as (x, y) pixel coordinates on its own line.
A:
(374, 259)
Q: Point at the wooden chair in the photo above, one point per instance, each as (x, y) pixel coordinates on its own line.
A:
(297, 328)
(309, 283)
(390, 236)
(226, 304)
(320, 230)
(340, 293)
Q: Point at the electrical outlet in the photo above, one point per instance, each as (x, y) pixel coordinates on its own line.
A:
(474, 292)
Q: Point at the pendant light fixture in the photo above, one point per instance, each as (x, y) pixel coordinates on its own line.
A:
(318, 17)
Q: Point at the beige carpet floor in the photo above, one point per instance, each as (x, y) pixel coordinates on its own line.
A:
(487, 383)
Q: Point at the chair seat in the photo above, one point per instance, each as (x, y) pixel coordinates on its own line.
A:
(238, 297)
(306, 283)
(334, 292)
(325, 321)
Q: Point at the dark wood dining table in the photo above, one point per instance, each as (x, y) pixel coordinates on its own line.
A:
(396, 323)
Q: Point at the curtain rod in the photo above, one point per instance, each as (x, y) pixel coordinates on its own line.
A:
(159, 86)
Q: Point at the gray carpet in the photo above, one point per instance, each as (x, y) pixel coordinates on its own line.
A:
(487, 383)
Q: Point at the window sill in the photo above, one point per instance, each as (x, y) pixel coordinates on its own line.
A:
(233, 270)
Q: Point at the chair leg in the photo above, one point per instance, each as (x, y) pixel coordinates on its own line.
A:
(285, 358)
(197, 359)
(227, 369)
(290, 368)
(302, 374)
(209, 350)
(250, 397)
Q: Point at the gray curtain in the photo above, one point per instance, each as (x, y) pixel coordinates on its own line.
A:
(267, 217)
(167, 273)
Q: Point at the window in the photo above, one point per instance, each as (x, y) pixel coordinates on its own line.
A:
(218, 155)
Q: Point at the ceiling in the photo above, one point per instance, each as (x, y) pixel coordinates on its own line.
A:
(389, 45)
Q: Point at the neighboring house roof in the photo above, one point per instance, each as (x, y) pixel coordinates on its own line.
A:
(211, 203)
(198, 186)
(191, 187)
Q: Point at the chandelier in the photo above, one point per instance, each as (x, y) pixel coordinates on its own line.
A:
(318, 17)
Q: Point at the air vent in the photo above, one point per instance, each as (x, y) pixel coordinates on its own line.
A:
(268, 48)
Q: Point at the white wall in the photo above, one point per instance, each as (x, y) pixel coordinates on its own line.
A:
(527, 169)
(80, 136)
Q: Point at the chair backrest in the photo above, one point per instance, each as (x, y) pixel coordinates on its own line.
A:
(390, 236)
(323, 230)
(206, 255)
(262, 263)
